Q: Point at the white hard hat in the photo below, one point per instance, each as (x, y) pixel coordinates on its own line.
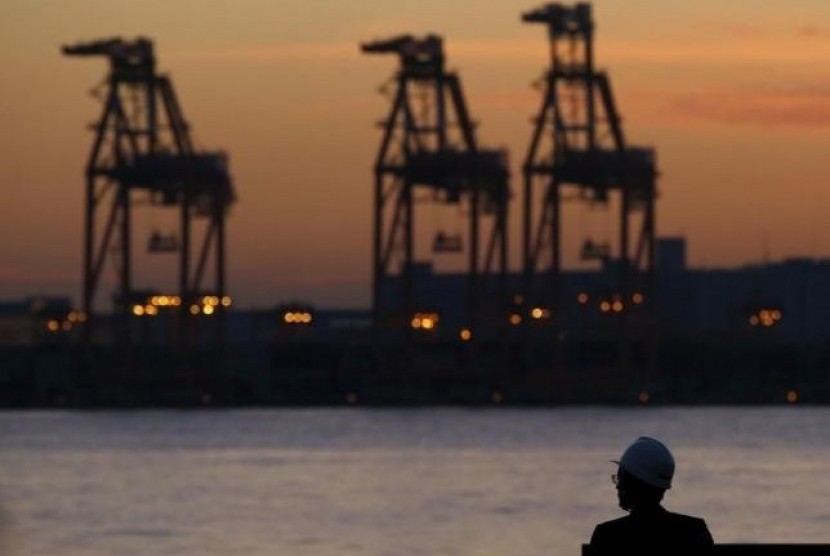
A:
(649, 460)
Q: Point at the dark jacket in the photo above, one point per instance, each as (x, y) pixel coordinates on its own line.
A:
(652, 530)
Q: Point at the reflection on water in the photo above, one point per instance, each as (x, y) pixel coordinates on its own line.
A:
(358, 482)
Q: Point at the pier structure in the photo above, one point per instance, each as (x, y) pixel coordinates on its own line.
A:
(429, 156)
(578, 152)
(143, 154)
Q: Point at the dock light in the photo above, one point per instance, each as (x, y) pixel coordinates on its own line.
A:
(164, 301)
(518, 299)
(643, 397)
(769, 317)
(151, 310)
(515, 319)
(170, 300)
(82, 317)
(792, 396)
(539, 313)
(637, 298)
(72, 317)
(582, 298)
(208, 310)
(536, 313)
(617, 306)
(138, 310)
(604, 306)
(295, 317)
(226, 301)
(53, 325)
(66, 326)
(766, 318)
(195, 309)
(425, 321)
(466, 335)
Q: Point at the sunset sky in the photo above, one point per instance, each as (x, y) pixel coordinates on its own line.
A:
(733, 95)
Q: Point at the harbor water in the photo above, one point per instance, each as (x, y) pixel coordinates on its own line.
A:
(371, 482)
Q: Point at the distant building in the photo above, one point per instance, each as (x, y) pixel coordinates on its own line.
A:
(782, 301)
(37, 320)
(671, 254)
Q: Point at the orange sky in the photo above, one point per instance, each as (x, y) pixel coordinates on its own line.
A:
(736, 100)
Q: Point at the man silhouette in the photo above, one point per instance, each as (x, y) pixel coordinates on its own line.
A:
(644, 473)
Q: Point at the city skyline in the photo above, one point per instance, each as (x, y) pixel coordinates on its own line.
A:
(736, 104)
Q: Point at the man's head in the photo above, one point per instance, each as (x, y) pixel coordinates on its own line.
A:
(645, 472)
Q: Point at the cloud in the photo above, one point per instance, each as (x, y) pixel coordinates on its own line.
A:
(747, 30)
(802, 107)
(812, 31)
(717, 53)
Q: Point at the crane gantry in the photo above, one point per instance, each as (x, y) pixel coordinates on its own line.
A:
(143, 148)
(578, 143)
(429, 144)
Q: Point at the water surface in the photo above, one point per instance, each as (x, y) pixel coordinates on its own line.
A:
(363, 482)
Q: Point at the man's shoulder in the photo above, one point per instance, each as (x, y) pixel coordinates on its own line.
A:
(659, 527)
(685, 520)
(610, 528)
(614, 523)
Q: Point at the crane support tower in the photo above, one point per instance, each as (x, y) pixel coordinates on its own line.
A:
(578, 142)
(429, 146)
(143, 152)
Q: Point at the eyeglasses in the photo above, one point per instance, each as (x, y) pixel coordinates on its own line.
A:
(615, 479)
